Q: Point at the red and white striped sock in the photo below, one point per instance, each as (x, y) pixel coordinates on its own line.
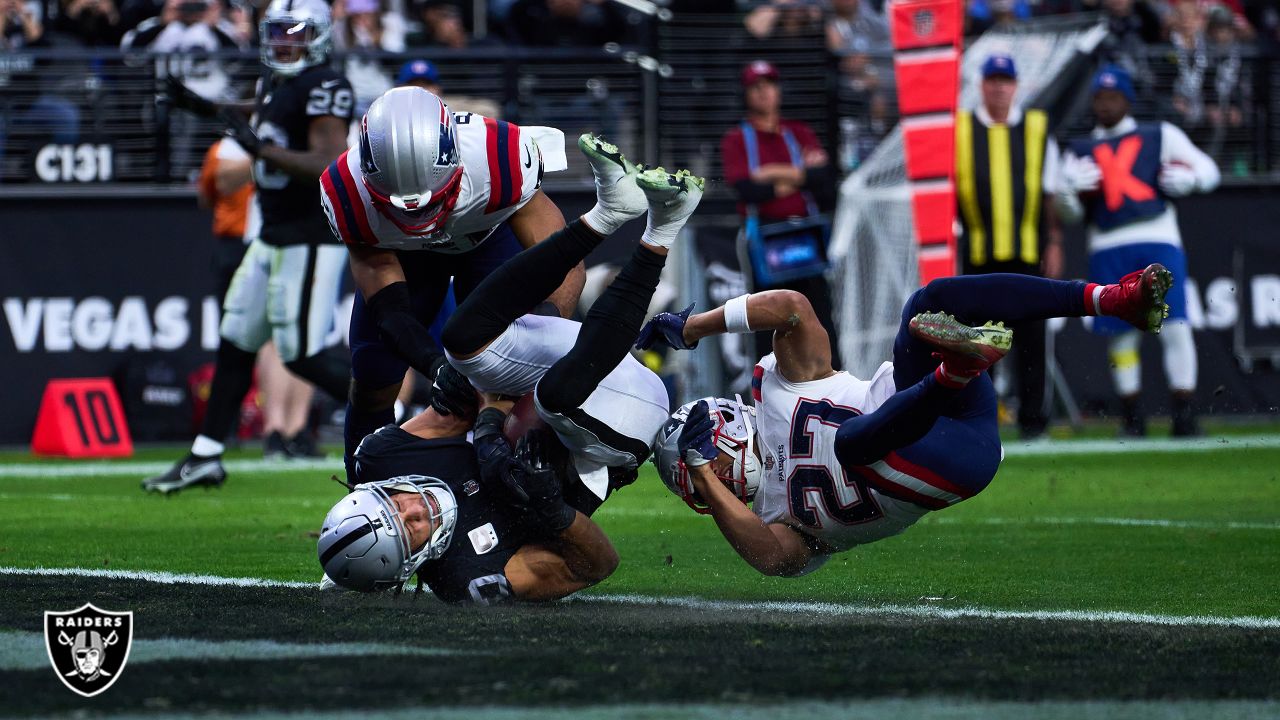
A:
(1092, 298)
(950, 380)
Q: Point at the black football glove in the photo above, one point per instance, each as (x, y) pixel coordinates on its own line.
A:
(534, 484)
(178, 95)
(451, 392)
(239, 129)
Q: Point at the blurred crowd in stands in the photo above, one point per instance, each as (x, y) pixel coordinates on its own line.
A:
(1192, 59)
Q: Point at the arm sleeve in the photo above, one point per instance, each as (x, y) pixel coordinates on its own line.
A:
(1068, 205)
(1175, 146)
(1049, 181)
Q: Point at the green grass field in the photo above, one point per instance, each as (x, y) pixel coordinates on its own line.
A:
(1164, 533)
(1050, 533)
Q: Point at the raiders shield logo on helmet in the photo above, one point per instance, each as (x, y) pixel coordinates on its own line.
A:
(88, 647)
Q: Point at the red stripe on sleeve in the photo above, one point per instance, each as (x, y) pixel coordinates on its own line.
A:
(495, 170)
(357, 203)
(339, 215)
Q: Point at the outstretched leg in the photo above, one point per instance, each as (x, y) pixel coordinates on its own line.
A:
(1138, 299)
(614, 321)
(524, 281)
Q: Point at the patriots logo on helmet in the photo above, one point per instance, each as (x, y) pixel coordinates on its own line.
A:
(448, 154)
(367, 164)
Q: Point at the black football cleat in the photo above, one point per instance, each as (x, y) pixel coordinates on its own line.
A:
(188, 472)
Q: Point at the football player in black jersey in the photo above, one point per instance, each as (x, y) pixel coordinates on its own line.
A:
(517, 536)
(287, 285)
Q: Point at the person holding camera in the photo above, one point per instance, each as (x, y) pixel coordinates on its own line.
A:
(783, 179)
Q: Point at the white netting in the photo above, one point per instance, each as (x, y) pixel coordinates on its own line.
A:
(873, 246)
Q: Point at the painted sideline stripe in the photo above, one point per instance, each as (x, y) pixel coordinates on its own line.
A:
(74, 469)
(1119, 522)
(927, 708)
(26, 650)
(691, 603)
(1141, 445)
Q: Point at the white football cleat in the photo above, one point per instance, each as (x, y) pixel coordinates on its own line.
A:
(618, 198)
(672, 199)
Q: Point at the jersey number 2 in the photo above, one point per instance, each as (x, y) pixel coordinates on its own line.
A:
(807, 480)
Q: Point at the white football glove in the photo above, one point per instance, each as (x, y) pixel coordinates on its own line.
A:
(1080, 174)
(1177, 180)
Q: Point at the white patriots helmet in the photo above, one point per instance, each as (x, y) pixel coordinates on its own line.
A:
(734, 434)
(364, 544)
(295, 35)
(409, 159)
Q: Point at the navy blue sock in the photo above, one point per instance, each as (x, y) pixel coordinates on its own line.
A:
(902, 420)
(1006, 297)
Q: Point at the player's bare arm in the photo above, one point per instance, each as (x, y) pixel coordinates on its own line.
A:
(799, 340)
(374, 269)
(532, 224)
(581, 557)
(773, 549)
(327, 138)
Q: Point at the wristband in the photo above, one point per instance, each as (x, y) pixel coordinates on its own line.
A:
(735, 315)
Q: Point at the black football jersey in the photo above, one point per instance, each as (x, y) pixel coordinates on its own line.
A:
(291, 214)
(488, 530)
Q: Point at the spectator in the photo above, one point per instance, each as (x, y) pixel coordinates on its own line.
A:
(984, 15)
(31, 112)
(780, 173)
(1186, 34)
(362, 30)
(443, 26)
(93, 23)
(423, 74)
(1010, 226)
(785, 19)
(1132, 26)
(856, 27)
(565, 23)
(190, 33)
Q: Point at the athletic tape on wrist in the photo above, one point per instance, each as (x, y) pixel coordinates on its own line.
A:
(735, 315)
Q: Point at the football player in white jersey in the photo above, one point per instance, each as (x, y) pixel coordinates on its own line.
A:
(428, 198)
(833, 461)
(602, 403)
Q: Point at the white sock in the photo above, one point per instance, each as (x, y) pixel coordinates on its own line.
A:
(605, 221)
(663, 236)
(1126, 364)
(1179, 355)
(205, 446)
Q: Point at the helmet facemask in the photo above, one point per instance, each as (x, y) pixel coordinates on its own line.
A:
(290, 44)
(734, 436)
(365, 544)
(409, 160)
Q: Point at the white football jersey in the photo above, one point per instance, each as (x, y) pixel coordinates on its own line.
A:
(803, 484)
(501, 170)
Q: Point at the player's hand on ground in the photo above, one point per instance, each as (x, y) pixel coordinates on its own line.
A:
(667, 328)
(180, 96)
(451, 392)
(241, 131)
(534, 484)
(1081, 174)
(1177, 180)
(697, 441)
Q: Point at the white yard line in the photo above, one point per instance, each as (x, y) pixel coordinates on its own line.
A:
(1118, 522)
(730, 606)
(26, 650)
(97, 468)
(940, 708)
(1152, 445)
